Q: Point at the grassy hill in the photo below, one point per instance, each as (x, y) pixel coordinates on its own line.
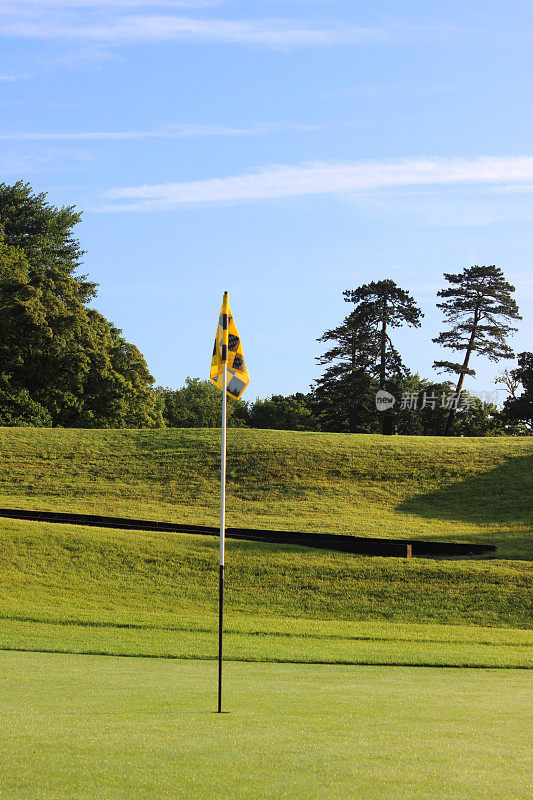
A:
(416, 487)
(68, 588)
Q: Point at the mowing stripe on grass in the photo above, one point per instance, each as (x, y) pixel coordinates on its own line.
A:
(286, 647)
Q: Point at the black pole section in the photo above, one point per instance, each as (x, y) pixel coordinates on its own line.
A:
(220, 630)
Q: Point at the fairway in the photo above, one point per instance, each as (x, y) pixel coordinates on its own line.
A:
(91, 726)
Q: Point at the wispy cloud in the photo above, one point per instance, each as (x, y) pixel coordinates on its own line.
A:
(383, 90)
(346, 178)
(460, 205)
(16, 5)
(176, 131)
(173, 28)
(126, 21)
(8, 77)
(20, 165)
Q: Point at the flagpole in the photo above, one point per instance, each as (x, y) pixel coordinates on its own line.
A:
(222, 530)
(227, 353)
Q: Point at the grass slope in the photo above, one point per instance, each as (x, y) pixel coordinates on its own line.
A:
(79, 589)
(85, 727)
(410, 487)
(75, 589)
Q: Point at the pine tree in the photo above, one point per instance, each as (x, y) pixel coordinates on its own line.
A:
(478, 305)
(381, 306)
(344, 394)
(364, 357)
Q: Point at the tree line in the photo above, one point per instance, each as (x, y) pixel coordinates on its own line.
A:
(364, 365)
(62, 363)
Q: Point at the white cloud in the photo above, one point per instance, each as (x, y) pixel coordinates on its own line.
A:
(126, 21)
(345, 178)
(134, 28)
(177, 131)
(6, 77)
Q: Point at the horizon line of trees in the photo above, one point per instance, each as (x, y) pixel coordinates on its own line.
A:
(479, 310)
(62, 363)
(419, 409)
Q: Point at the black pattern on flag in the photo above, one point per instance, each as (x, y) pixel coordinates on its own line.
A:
(238, 377)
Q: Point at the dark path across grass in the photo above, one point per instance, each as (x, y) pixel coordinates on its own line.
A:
(324, 541)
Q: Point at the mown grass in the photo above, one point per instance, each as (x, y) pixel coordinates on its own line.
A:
(81, 571)
(404, 487)
(374, 646)
(73, 589)
(129, 592)
(84, 727)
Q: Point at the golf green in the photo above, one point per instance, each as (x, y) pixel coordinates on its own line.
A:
(77, 727)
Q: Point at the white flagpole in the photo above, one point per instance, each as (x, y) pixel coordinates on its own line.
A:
(222, 531)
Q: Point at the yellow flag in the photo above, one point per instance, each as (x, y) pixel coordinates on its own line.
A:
(228, 349)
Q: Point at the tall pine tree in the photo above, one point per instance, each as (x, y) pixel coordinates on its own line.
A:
(364, 356)
(382, 306)
(344, 394)
(478, 305)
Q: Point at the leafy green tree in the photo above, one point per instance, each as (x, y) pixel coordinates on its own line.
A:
(479, 419)
(117, 390)
(44, 234)
(419, 406)
(292, 413)
(17, 409)
(198, 404)
(518, 408)
(478, 305)
(421, 410)
(68, 358)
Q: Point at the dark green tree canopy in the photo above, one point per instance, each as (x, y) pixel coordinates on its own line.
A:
(357, 347)
(385, 300)
(345, 403)
(364, 357)
(198, 404)
(67, 357)
(519, 407)
(43, 233)
(344, 394)
(380, 306)
(422, 410)
(17, 409)
(287, 413)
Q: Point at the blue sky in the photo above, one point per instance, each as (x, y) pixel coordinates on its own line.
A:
(283, 151)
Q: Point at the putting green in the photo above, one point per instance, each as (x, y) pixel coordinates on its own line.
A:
(77, 727)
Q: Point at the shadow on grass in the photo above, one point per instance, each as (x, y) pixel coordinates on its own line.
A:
(499, 496)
